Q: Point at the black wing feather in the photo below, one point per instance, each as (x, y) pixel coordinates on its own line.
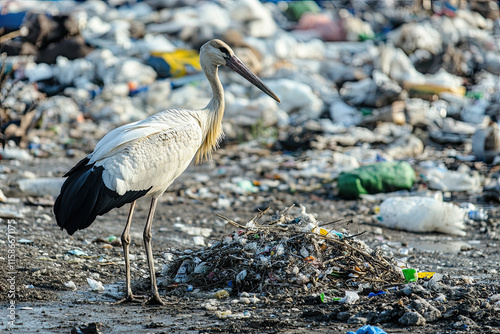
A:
(84, 196)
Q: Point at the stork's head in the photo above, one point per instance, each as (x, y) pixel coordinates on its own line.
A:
(219, 53)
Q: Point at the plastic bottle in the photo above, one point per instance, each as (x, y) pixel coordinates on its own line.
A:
(477, 215)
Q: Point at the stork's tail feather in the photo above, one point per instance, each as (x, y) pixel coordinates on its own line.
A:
(84, 196)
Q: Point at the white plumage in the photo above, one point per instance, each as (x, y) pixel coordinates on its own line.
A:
(145, 157)
(151, 153)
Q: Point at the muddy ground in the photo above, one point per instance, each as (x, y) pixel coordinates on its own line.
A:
(45, 305)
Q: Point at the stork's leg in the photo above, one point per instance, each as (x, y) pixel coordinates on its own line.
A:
(155, 296)
(125, 243)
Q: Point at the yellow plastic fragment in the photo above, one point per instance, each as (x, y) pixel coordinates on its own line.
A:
(425, 275)
(221, 294)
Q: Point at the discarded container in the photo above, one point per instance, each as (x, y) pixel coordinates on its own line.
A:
(376, 178)
(42, 186)
(477, 215)
(410, 274)
(14, 153)
(422, 214)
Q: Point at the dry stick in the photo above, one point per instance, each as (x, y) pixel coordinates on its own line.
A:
(366, 255)
(282, 215)
(354, 235)
(10, 35)
(258, 217)
(333, 222)
(232, 222)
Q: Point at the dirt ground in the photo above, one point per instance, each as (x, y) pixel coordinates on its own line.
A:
(45, 305)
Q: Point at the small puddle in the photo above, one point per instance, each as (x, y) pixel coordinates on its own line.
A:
(441, 245)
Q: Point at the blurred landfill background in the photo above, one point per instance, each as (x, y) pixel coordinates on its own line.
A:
(389, 116)
(413, 73)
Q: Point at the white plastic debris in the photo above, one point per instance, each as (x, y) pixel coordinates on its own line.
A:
(199, 241)
(41, 186)
(343, 114)
(422, 214)
(39, 72)
(297, 97)
(184, 271)
(95, 285)
(71, 285)
(59, 109)
(440, 178)
(416, 36)
(256, 19)
(240, 278)
(14, 153)
(133, 70)
(351, 297)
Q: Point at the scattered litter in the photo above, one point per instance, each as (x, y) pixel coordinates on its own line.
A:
(351, 297)
(95, 285)
(440, 178)
(425, 275)
(422, 214)
(221, 294)
(372, 179)
(369, 96)
(77, 252)
(410, 275)
(70, 285)
(42, 186)
(373, 294)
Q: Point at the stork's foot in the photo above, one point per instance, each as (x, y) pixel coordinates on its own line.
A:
(129, 299)
(155, 300)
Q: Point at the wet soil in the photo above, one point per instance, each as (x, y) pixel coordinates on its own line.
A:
(43, 265)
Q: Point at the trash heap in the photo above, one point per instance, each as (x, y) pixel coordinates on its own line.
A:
(338, 67)
(285, 255)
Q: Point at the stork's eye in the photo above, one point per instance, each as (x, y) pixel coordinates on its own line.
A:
(224, 50)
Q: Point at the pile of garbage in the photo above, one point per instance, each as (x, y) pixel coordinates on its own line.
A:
(286, 255)
(336, 67)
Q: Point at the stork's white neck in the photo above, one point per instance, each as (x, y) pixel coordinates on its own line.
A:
(216, 104)
(212, 128)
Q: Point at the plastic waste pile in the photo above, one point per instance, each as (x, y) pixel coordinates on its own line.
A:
(124, 62)
(285, 254)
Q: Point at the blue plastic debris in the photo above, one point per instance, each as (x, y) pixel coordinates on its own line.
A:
(369, 329)
(77, 252)
(373, 294)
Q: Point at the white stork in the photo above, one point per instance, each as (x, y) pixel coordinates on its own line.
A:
(145, 157)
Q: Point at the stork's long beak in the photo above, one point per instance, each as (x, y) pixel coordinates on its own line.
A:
(236, 65)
